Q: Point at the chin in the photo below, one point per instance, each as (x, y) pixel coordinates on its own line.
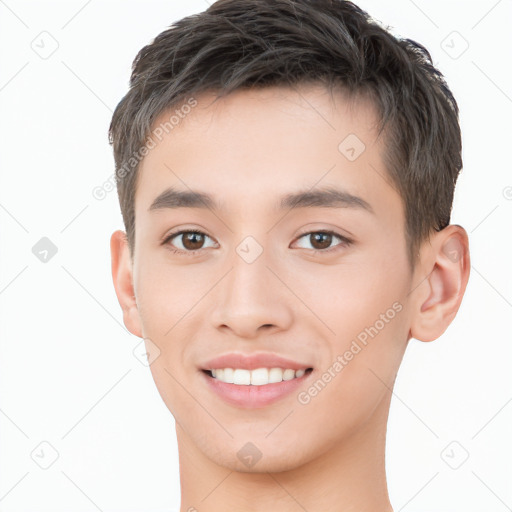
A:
(258, 456)
(271, 464)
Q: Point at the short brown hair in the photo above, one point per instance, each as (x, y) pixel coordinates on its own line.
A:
(237, 44)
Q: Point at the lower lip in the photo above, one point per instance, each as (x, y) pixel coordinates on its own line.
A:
(252, 397)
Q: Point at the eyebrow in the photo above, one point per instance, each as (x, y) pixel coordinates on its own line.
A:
(325, 198)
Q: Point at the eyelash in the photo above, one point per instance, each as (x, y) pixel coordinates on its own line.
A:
(345, 242)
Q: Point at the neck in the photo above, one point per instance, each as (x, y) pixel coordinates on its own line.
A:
(350, 476)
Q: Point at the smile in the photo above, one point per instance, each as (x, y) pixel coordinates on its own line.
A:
(262, 393)
(256, 377)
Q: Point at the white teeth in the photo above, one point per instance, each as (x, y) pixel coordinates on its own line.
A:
(275, 375)
(288, 374)
(228, 375)
(242, 377)
(257, 377)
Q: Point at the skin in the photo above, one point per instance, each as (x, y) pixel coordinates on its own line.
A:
(247, 150)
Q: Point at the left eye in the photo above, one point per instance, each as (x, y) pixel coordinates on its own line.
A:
(321, 240)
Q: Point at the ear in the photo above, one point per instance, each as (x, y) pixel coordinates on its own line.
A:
(122, 275)
(440, 294)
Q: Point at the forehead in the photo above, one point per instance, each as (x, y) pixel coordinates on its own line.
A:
(252, 147)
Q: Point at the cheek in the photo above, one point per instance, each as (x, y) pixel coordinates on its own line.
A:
(365, 308)
(351, 298)
(171, 300)
(167, 293)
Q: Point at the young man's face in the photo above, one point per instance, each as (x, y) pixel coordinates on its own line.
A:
(264, 279)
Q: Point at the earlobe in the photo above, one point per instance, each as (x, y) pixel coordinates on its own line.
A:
(122, 276)
(440, 294)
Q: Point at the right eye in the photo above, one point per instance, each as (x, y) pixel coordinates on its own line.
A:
(192, 240)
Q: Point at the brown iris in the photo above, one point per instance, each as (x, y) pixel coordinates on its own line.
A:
(192, 241)
(323, 240)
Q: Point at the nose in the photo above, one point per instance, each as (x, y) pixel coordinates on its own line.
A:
(251, 301)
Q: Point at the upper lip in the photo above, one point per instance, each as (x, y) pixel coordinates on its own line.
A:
(253, 361)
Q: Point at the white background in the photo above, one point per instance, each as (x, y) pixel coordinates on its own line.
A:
(68, 376)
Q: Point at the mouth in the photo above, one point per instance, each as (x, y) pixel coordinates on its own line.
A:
(255, 389)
